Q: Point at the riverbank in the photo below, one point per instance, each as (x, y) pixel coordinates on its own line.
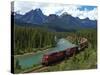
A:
(31, 53)
(38, 51)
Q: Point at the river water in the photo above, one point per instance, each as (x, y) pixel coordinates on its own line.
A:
(35, 59)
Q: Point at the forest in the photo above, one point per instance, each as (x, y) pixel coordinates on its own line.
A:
(28, 39)
(34, 39)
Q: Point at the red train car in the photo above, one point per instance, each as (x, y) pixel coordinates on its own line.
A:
(71, 51)
(53, 57)
(56, 56)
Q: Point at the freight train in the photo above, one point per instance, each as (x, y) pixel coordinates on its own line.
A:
(53, 57)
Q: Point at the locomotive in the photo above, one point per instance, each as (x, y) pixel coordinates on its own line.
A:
(53, 57)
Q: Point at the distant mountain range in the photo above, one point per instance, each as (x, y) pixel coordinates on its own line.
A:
(53, 21)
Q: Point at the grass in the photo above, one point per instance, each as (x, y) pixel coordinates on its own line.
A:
(27, 69)
(86, 59)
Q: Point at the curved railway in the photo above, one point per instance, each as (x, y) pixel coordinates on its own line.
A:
(52, 57)
(45, 62)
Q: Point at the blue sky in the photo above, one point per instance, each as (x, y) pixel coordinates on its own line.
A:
(52, 8)
(89, 8)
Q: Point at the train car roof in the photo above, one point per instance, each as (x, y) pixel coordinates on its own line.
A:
(62, 44)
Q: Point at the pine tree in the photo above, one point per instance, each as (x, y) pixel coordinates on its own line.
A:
(18, 66)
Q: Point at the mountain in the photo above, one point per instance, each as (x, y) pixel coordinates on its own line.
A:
(89, 23)
(54, 22)
(17, 16)
(34, 17)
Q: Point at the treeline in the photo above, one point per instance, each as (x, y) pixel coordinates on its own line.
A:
(90, 34)
(29, 39)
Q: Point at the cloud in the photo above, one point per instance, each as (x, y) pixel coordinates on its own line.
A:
(22, 6)
(52, 8)
(76, 12)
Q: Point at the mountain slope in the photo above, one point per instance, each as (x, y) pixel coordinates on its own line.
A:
(53, 21)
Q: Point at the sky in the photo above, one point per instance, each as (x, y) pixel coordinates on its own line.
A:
(54, 8)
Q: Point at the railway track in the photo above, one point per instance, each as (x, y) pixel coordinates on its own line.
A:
(40, 69)
(37, 69)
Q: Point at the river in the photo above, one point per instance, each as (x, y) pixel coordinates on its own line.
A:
(35, 59)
